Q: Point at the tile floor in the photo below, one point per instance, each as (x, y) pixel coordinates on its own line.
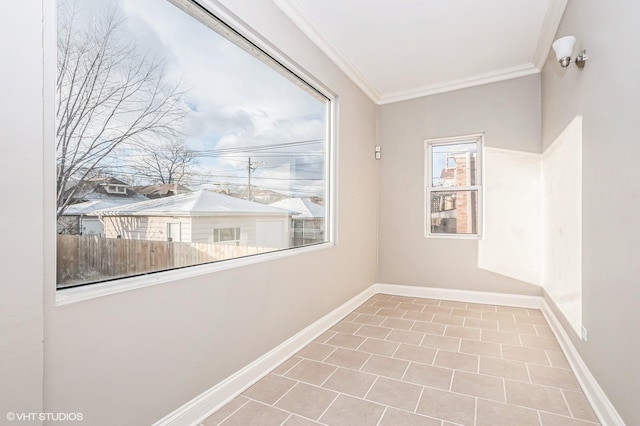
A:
(406, 361)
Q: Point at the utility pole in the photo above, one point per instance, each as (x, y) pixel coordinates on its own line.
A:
(251, 167)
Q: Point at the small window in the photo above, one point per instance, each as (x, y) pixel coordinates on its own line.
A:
(453, 181)
(226, 235)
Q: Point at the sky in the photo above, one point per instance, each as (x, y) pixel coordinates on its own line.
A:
(234, 102)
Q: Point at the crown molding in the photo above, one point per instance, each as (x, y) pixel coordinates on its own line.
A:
(476, 80)
(303, 21)
(548, 32)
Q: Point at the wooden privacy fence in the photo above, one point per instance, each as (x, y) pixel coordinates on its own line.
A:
(84, 259)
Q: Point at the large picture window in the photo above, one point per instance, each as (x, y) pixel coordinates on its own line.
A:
(453, 187)
(178, 142)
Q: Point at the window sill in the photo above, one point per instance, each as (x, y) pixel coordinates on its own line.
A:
(93, 291)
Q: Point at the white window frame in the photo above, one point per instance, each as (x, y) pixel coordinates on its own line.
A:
(477, 138)
(232, 24)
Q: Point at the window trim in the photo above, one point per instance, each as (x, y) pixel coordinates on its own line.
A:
(478, 138)
(71, 295)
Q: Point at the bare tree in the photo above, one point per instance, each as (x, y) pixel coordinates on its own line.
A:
(108, 94)
(169, 162)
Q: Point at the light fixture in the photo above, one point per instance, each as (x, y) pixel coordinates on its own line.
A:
(564, 48)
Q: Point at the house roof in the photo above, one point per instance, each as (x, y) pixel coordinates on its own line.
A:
(161, 190)
(199, 203)
(87, 207)
(304, 208)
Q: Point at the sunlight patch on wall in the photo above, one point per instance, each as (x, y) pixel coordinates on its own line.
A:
(512, 242)
(562, 222)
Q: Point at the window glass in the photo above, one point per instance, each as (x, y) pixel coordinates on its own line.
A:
(171, 125)
(453, 190)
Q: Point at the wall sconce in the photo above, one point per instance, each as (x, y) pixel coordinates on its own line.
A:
(564, 48)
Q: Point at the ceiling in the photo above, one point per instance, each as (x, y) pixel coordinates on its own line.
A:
(402, 49)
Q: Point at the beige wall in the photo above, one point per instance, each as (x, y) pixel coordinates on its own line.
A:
(509, 114)
(133, 357)
(21, 326)
(607, 94)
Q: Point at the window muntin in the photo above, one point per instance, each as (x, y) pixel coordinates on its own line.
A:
(453, 202)
(243, 125)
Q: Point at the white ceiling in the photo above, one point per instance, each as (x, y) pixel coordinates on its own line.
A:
(401, 49)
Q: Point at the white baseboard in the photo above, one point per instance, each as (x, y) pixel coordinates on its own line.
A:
(604, 409)
(515, 300)
(198, 409)
(202, 406)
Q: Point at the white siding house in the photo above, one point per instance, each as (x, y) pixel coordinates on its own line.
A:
(199, 217)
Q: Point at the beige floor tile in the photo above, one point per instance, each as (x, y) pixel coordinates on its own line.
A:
(487, 387)
(419, 316)
(427, 375)
(518, 328)
(506, 369)
(349, 411)
(393, 417)
(316, 351)
(411, 307)
(299, 421)
(324, 337)
(480, 323)
(499, 316)
(310, 371)
(480, 348)
(538, 397)
(441, 342)
(403, 299)
(448, 320)
(345, 327)
(447, 406)
(490, 413)
(424, 301)
(368, 319)
(457, 361)
(224, 412)
(481, 307)
(579, 406)
(395, 393)
(429, 328)
(404, 336)
(466, 313)
(269, 389)
(437, 310)
(346, 341)
(256, 413)
(366, 310)
(287, 365)
(462, 332)
(351, 382)
(528, 319)
(530, 355)
(386, 304)
(549, 419)
(347, 358)
(380, 347)
(382, 296)
(415, 353)
(401, 324)
(547, 343)
(305, 400)
(558, 359)
(351, 317)
(500, 337)
(549, 376)
(452, 304)
(512, 310)
(385, 366)
(544, 331)
(394, 313)
(373, 331)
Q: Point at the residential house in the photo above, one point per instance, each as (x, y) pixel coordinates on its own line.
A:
(184, 342)
(307, 224)
(199, 217)
(161, 190)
